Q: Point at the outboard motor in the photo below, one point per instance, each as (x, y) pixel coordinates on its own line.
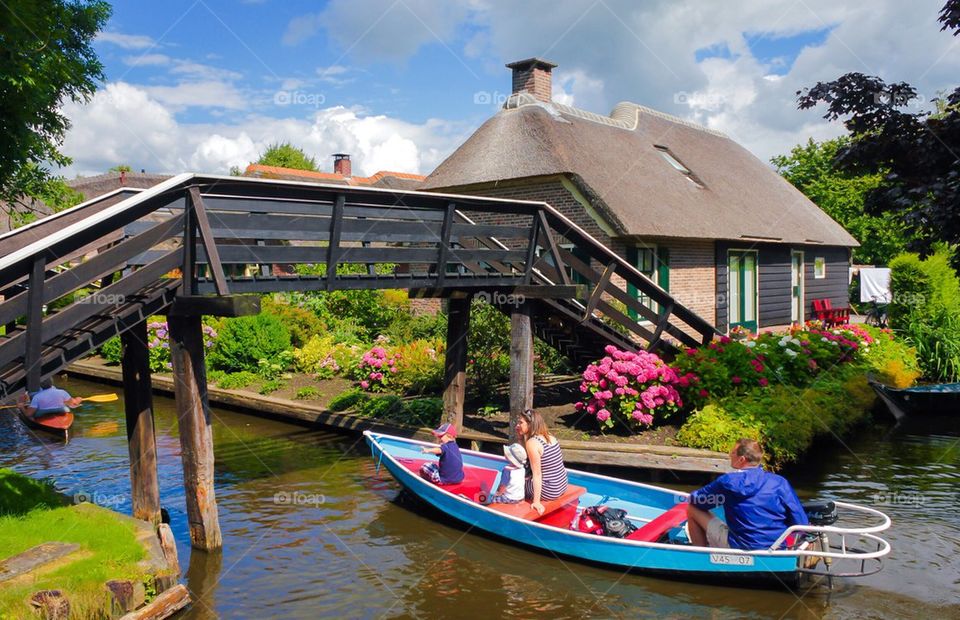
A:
(822, 513)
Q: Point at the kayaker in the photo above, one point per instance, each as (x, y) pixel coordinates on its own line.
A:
(449, 468)
(548, 474)
(758, 505)
(50, 399)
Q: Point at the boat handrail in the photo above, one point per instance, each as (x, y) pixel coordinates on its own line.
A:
(833, 529)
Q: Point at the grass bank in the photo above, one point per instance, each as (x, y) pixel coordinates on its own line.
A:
(32, 513)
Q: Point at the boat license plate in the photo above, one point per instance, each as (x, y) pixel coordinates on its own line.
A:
(731, 559)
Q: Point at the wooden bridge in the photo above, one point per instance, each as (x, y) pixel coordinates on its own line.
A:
(185, 248)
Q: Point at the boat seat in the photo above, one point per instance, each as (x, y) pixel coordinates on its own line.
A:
(653, 531)
(524, 510)
(475, 479)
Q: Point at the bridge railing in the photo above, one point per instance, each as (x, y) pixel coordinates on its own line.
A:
(197, 235)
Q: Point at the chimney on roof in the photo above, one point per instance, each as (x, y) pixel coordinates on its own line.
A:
(533, 76)
(341, 164)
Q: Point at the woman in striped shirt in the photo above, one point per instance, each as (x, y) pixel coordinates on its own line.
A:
(549, 475)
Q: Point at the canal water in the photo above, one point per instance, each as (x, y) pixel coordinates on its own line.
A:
(310, 530)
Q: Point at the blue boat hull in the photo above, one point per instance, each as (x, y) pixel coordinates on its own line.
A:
(644, 501)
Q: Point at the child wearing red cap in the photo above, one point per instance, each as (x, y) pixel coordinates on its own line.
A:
(449, 469)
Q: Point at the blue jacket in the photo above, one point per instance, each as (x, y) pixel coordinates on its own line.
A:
(758, 506)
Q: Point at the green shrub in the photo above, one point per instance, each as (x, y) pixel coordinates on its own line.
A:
(926, 310)
(785, 419)
(112, 351)
(246, 340)
(324, 357)
(713, 428)
(422, 412)
(271, 386)
(215, 376)
(488, 348)
(237, 380)
(347, 399)
(409, 327)
(381, 407)
(419, 367)
(302, 323)
(306, 393)
(275, 367)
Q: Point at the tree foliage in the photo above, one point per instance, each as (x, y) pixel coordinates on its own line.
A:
(286, 155)
(916, 152)
(812, 169)
(47, 59)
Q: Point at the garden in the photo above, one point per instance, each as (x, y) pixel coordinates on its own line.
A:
(369, 353)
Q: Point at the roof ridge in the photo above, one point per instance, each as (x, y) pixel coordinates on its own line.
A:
(625, 115)
(353, 180)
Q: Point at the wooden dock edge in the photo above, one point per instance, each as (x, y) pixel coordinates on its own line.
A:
(676, 458)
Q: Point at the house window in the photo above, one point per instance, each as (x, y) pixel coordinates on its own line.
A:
(819, 267)
(677, 164)
(579, 253)
(654, 263)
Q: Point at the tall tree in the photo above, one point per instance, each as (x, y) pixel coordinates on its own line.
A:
(812, 169)
(918, 153)
(285, 155)
(47, 58)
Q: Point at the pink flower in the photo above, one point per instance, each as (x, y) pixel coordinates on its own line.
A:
(736, 380)
(703, 393)
(603, 415)
(763, 382)
(364, 384)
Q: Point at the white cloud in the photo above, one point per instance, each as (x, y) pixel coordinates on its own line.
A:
(147, 60)
(129, 124)
(126, 41)
(204, 94)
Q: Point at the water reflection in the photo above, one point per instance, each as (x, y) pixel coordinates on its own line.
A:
(312, 530)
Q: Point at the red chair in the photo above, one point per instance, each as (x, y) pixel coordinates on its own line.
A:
(824, 311)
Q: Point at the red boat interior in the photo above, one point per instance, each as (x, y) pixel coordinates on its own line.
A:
(478, 482)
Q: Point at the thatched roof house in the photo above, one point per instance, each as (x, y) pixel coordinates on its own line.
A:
(687, 204)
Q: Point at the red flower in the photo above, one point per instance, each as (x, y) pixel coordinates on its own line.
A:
(736, 380)
(704, 393)
(763, 382)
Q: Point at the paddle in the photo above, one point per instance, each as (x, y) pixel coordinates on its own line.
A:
(96, 398)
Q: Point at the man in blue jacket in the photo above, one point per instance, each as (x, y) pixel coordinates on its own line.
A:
(758, 505)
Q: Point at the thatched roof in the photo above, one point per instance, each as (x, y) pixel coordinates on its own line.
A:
(729, 193)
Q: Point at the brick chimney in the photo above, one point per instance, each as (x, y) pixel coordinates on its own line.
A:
(341, 164)
(533, 76)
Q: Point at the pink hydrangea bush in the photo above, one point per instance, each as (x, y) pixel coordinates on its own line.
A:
(376, 368)
(632, 388)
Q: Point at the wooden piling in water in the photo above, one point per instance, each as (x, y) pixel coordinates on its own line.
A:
(196, 436)
(455, 364)
(138, 411)
(521, 363)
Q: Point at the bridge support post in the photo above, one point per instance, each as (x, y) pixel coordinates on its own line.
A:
(455, 364)
(141, 440)
(196, 436)
(521, 363)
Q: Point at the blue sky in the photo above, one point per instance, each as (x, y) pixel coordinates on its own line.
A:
(208, 84)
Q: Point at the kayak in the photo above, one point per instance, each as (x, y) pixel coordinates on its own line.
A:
(659, 545)
(58, 423)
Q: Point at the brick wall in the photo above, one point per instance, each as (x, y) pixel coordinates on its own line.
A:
(693, 279)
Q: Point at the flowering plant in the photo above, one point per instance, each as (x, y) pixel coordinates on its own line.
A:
(628, 387)
(376, 367)
(158, 343)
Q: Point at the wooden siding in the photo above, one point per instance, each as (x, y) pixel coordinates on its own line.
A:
(773, 280)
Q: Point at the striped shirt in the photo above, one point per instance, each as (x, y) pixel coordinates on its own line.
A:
(552, 470)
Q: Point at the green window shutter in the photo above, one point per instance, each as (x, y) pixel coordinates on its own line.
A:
(663, 268)
(632, 257)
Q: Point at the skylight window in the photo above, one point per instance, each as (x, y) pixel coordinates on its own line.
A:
(677, 165)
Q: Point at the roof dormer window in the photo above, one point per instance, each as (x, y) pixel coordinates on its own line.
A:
(677, 165)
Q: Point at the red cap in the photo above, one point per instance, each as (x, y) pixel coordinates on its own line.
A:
(445, 429)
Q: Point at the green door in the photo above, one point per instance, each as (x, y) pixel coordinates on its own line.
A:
(742, 284)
